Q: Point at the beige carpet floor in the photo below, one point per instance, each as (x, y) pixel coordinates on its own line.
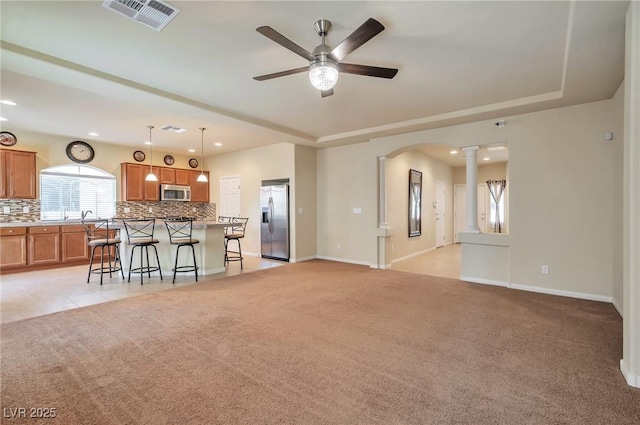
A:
(322, 343)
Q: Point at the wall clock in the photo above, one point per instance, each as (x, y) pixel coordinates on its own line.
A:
(7, 139)
(80, 151)
(139, 156)
(168, 159)
(193, 163)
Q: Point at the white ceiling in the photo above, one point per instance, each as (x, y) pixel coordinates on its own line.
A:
(75, 67)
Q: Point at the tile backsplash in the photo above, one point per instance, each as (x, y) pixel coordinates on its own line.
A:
(17, 207)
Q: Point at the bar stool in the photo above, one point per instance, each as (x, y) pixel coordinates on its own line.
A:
(234, 233)
(180, 232)
(100, 236)
(140, 235)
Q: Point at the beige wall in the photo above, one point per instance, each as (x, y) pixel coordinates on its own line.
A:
(486, 172)
(253, 166)
(51, 151)
(306, 195)
(617, 159)
(561, 178)
(398, 201)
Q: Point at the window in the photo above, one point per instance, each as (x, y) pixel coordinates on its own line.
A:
(67, 190)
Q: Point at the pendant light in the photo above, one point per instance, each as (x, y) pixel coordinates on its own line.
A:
(202, 178)
(151, 177)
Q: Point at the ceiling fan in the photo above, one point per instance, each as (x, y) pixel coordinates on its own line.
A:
(325, 62)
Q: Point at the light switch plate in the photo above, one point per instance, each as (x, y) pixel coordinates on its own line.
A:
(25, 210)
(127, 209)
(6, 210)
(357, 210)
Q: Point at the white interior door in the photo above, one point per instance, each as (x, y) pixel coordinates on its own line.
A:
(440, 214)
(229, 205)
(460, 208)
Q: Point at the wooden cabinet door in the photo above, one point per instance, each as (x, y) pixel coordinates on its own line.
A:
(167, 175)
(132, 176)
(182, 177)
(199, 190)
(22, 174)
(3, 175)
(13, 247)
(44, 245)
(73, 244)
(152, 189)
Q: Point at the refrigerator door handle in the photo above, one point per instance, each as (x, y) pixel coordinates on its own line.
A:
(271, 212)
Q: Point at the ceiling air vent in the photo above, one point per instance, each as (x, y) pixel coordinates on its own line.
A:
(152, 13)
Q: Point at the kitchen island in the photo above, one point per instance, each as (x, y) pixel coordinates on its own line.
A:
(209, 252)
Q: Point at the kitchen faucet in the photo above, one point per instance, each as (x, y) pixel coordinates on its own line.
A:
(84, 214)
(64, 214)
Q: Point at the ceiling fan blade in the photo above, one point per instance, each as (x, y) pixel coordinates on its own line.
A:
(285, 42)
(281, 73)
(371, 71)
(364, 33)
(326, 93)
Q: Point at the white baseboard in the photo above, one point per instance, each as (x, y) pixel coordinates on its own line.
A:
(299, 260)
(484, 281)
(343, 260)
(617, 306)
(382, 267)
(632, 379)
(562, 293)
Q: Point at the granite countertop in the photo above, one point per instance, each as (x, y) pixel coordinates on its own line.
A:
(197, 224)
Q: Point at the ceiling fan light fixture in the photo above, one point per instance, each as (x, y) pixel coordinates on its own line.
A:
(323, 75)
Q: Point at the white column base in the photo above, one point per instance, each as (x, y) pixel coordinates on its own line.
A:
(632, 379)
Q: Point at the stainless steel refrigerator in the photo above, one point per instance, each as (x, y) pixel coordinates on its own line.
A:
(274, 226)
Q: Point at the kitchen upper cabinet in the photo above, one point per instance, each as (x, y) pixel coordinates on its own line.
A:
(134, 185)
(182, 177)
(17, 174)
(13, 245)
(167, 175)
(199, 190)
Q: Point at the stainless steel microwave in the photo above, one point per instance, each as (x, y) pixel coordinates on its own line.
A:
(172, 192)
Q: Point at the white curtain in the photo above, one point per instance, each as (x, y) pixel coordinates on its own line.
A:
(496, 188)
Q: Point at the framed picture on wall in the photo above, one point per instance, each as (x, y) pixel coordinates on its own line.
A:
(415, 203)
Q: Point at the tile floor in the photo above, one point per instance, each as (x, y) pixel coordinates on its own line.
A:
(31, 294)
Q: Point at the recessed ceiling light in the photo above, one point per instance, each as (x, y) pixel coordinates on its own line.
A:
(453, 152)
(192, 150)
(486, 158)
(217, 144)
(8, 102)
(496, 148)
(148, 143)
(94, 134)
(3, 119)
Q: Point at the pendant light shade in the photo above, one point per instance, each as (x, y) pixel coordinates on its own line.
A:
(202, 178)
(151, 177)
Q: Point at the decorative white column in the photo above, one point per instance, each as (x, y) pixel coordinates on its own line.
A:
(382, 193)
(630, 362)
(471, 153)
(384, 231)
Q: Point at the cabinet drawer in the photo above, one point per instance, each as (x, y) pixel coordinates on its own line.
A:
(9, 231)
(43, 229)
(73, 228)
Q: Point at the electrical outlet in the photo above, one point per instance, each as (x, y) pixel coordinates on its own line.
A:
(193, 209)
(357, 210)
(299, 210)
(6, 210)
(150, 209)
(25, 210)
(127, 209)
(544, 269)
(339, 247)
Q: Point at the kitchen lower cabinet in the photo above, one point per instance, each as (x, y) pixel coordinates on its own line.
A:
(25, 248)
(73, 244)
(44, 245)
(13, 247)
